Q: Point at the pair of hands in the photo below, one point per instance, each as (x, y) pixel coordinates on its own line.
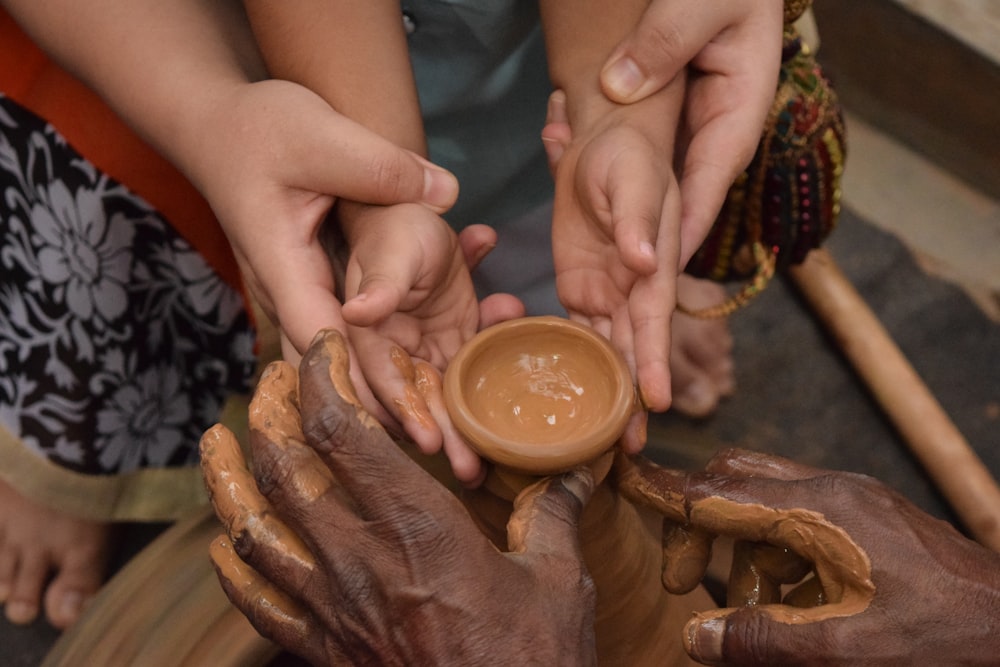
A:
(296, 157)
(344, 550)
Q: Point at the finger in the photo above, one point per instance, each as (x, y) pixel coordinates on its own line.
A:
(498, 308)
(263, 538)
(686, 554)
(272, 613)
(732, 98)
(665, 40)
(377, 282)
(635, 435)
(636, 193)
(392, 376)
(546, 515)
(753, 636)
(651, 306)
(373, 170)
(302, 291)
(465, 463)
(476, 242)
(556, 134)
(366, 462)
(758, 572)
(735, 462)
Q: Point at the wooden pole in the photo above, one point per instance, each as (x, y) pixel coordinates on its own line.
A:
(935, 440)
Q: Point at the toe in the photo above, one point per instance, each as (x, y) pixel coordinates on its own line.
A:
(25, 596)
(80, 575)
(698, 398)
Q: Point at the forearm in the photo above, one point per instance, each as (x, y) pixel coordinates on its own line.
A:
(579, 36)
(352, 54)
(160, 66)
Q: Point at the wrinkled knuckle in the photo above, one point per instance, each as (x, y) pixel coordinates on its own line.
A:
(663, 41)
(390, 174)
(273, 470)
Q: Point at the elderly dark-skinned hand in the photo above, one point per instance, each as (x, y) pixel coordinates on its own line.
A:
(343, 550)
(893, 585)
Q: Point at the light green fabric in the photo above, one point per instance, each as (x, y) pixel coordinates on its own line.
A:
(483, 81)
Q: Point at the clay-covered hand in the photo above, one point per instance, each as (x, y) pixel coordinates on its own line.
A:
(732, 51)
(896, 586)
(410, 305)
(614, 229)
(344, 551)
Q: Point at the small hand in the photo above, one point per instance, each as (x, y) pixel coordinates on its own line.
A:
(410, 305)
(349, 553)
(614, 231)
(734, 52)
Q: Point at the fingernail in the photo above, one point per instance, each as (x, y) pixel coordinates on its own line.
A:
(440, 188)
(647, 250)
(70, 606)
(705, 640)
(623, 77)
(697, 399)
(580, 483)
(20, 613)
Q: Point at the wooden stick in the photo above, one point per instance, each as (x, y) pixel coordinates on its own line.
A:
(935, 440)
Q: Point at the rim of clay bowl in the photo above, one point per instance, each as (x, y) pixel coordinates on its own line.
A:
(532, 457)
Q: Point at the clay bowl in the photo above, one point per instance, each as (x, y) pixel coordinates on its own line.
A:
(539, 395)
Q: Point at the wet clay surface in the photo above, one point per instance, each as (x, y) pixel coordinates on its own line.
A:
(542, 388)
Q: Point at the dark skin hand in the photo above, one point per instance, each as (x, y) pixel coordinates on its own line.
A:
(342, 549)
(936, 594)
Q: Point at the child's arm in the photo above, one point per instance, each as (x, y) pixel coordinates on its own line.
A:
(352, 54)
(409, 299)
(617, 208)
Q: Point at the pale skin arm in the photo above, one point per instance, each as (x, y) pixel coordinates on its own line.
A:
(617, 207)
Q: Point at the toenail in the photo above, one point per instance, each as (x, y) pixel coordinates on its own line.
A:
(70, 606)
(20, 613)
(698, 397)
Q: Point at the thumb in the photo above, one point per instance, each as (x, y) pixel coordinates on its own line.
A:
(547, 514)
(752, 636)
(666, 39)
(371, 169)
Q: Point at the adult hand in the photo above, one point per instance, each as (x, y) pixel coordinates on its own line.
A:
(344, 551)
(935, 593)
(734, 51)
(274, 158)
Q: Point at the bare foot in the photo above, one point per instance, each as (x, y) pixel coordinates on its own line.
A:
(48, 558)
(701, 351)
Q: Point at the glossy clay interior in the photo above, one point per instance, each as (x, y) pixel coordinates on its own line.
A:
(542, 387)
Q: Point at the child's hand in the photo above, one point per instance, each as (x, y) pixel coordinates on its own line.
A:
(410, 304)
(615, 231)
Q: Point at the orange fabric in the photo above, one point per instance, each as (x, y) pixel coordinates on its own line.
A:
(29, 78)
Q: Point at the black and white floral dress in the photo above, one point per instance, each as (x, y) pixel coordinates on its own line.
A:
(118, 342)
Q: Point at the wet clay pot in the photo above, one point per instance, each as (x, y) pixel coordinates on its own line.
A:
(541, 395)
